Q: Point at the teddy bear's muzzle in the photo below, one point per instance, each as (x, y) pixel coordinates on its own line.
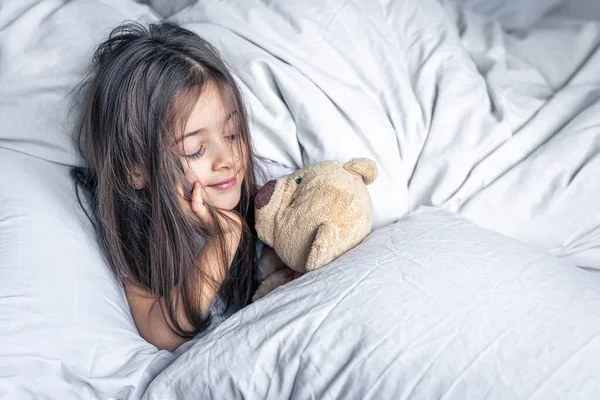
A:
(264, 195)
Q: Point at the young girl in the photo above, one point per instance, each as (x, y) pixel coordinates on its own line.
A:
(170, 176)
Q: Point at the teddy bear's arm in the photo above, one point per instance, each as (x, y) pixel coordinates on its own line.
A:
(269, 263)
(323, 248)
(273, 281)
(272, 273)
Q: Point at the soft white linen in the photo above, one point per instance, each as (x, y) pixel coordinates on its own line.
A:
(502, 128)
(431, 307)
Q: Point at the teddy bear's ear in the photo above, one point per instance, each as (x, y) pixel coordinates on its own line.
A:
(323, 249)
(362, 167)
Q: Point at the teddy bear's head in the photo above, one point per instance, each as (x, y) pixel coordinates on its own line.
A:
(316, 214)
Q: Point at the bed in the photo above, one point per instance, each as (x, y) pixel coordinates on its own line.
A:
(481, 276)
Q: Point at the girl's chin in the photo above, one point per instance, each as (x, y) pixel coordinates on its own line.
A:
(226, 205)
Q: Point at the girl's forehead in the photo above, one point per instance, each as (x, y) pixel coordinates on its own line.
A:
(206, 111)
(208, 107)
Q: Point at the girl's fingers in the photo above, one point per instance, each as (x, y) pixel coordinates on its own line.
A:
(196, 204)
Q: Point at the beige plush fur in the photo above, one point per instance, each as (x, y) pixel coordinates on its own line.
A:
(312, 217)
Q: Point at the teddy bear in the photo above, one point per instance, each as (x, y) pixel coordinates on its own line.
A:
(309, 218)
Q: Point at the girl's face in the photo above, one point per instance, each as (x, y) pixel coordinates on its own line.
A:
(212, 152)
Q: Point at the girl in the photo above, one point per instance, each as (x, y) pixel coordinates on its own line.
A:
(170, 176)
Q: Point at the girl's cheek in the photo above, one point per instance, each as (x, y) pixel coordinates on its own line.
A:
(189, 173)
(197, 171)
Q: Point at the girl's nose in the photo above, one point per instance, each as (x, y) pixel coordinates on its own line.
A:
(224, 156)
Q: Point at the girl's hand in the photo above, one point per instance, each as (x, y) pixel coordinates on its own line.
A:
(196, 205)
(229, 220)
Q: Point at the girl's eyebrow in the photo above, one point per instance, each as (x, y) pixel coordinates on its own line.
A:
(202, 130)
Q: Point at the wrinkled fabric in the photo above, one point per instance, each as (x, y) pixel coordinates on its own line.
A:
(499, 127)
(430, 307)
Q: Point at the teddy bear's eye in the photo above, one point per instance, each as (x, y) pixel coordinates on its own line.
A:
(297, 180)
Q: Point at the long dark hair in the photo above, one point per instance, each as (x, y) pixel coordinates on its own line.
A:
(145, 84)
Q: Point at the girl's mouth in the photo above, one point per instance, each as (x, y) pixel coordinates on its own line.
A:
(224, 185)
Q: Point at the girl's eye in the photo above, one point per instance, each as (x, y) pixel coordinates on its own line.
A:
(196, 155)
(297, 180)
(232, 137)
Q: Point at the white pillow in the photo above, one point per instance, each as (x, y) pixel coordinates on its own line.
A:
(66, 326)
(66, 330)
(46, 48)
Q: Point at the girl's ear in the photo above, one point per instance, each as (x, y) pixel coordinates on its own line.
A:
(136, 178)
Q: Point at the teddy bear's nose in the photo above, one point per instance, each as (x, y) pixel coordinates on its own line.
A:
(264, 195)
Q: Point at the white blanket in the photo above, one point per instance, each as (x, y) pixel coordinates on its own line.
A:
(502, 128)
(432, 307)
